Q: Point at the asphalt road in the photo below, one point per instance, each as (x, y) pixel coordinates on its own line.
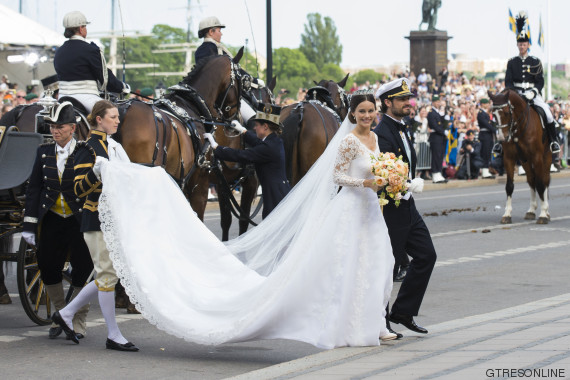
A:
(483, 266)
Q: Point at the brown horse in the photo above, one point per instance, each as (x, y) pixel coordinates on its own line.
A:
(170, 132)
(24, 118)
(525, 140)
(236, 173)
(309, 126)
(334, 97)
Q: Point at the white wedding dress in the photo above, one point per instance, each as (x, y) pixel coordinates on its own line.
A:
(318, 269)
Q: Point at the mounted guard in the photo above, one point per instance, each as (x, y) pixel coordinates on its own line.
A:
(525, 76)
(81, 66)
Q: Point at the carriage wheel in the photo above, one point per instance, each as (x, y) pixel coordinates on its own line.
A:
(32, 290)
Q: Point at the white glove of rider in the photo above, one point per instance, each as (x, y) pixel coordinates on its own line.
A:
(99, 162)
(416, 186)
(210, 138)
(529, 94)
(29, 237)
(238, 127)
(126, 88)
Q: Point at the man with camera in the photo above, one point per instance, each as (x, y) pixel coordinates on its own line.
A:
(472, 161)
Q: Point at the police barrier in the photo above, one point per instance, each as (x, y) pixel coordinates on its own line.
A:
(423, 154)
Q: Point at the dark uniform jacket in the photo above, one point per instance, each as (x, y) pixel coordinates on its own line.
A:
(484, 122)
(45, 188)
(437, 123)
(269, 158)
(205, 50)
(390, 140)
(85, 184)
(77, 60)
(528, 70)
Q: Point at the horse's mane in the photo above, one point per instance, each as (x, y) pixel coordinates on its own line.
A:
(196, 69)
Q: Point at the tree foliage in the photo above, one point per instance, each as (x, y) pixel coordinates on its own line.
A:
(369, 75)
(139, 50)
(319, 42)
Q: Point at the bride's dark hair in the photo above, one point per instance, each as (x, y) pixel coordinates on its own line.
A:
(358, 98)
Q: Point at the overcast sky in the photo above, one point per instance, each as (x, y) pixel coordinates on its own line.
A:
(371, 31)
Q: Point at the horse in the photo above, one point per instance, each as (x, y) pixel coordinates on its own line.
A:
(237, 174)
(169, 132)
(309, 125)
(24, 118)
(526, 140)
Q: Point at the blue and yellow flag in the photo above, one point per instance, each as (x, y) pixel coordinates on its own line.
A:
(529, 34)
(451, 146)
(540, 34)
(512, 24)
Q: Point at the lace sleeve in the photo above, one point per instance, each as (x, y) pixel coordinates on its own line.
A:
(347, 151)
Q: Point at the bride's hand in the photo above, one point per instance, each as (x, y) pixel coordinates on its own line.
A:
(371, 183)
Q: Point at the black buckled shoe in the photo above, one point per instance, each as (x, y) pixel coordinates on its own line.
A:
(408, 322)
(54, 332)
(78, 335)
(56, 317)
(112, 345)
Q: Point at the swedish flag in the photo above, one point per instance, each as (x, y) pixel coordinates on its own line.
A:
(512, 24)
(451, 146)
(540, 34)
(529, 34)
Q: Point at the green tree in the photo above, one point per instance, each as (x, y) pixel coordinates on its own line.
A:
(139, 50)
(368, 75)
(293, 70)
(319, 42)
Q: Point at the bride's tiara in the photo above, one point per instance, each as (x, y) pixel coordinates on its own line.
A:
(363, 92)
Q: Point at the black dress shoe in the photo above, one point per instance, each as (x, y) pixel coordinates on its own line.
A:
(54, 332)
(112, 345)
(78, 335)
(401, 274)
(408, 322)
(399, 336)
(56, 317)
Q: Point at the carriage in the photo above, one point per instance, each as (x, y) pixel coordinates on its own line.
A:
(17, 154)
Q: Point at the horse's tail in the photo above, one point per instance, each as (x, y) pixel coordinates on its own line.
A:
(291, 128)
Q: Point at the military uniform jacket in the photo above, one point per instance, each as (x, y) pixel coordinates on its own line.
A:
(484, 122)
(524, 71)
(205, 50)
(390, 140)
(78, 60)
(45, 187)
(269, 158)
(437, 124)
(85, 184)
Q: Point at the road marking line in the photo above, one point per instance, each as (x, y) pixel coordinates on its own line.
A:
(9, 339)
(478, 194)
(490, 255)
(495, 227)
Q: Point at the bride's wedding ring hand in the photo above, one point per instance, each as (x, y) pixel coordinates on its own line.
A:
(371, 183)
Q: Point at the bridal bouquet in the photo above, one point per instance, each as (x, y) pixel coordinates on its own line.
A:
(391, 173)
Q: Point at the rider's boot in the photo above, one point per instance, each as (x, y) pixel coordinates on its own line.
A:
(498, 148)
(553, 136)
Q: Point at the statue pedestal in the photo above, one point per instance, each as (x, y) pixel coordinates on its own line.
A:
(428, 49)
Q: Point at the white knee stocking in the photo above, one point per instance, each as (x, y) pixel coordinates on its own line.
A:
(107, 303)
(85, 296)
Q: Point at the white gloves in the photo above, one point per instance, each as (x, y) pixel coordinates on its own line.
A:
(416, 185)
(238, 127)
(99, 162)
(29, 237)
(530, 94)
(126, 88)
(210, 138)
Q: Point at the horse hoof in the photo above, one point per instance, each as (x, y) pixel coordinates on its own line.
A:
(506, 220)
(542, 220)
(530, 216)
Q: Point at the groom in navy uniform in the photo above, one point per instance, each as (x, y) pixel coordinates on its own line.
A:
(407, 230)
(267, 153)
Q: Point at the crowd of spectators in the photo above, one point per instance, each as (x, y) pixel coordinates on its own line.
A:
(460, 103)
(12, 96)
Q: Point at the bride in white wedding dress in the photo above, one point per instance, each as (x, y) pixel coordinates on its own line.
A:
(318, 269)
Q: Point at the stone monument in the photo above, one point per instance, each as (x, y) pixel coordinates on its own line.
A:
(428, 48)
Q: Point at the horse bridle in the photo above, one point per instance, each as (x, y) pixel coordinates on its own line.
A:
(328, 97)
(513, 125)
(234, 82)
